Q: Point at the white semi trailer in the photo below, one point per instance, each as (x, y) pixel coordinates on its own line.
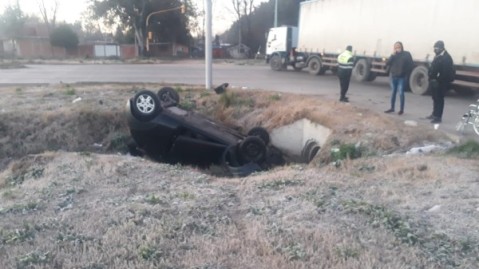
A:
(372, 27)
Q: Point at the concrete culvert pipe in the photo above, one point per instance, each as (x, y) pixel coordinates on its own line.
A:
(310, 149)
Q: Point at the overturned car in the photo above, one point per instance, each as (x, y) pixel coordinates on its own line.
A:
(168, 133)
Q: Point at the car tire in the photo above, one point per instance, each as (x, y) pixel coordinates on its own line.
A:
(252, 149)
(261, 133)
(145, 105)
(168, 97)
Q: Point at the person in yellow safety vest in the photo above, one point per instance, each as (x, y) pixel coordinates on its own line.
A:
(345, 69)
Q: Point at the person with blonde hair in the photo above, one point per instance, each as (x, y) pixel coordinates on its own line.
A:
(400, 66)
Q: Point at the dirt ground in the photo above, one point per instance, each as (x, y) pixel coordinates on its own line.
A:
(72, 197)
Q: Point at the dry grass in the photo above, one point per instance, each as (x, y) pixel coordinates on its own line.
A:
(104, 211)
(80, 209)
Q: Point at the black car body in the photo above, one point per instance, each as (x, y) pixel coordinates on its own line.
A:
(170, 134)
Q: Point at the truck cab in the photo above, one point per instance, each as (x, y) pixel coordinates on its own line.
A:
(281, 46)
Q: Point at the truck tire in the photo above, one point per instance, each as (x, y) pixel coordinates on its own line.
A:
(316, 67)
(372, 76)
(276, 63)
(362, 70)
(418, 81)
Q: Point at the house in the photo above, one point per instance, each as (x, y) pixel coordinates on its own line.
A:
(167, 49)
(240, 51)
(34, 42)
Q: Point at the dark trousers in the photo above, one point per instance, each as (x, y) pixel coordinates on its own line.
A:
(344, 79)
(438, 91)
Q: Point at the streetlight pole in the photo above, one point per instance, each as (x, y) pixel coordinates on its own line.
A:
(208, 46)
(276, 13)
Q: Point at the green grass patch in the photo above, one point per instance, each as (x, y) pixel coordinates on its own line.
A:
(229, 99)
(18, 235)
(21, 208)
(153, 200)
(119, 142)
(275, 97)
(437, 246)
(19, 178)
(294, 252)
(280, 184)
(33, 258)
(69, 90)
(346, 151)
(469, 149)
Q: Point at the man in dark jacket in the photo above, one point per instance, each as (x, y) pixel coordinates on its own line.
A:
(441, 74)
(400, 64)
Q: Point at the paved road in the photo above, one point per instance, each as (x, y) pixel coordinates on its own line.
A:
(374, 95)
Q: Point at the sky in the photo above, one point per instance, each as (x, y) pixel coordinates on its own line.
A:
(72, 10)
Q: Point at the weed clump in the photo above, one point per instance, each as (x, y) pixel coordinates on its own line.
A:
(469, 149)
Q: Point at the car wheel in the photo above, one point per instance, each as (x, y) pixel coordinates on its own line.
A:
(261, 133)
(145, 105)
(252, 149)
(168, 97)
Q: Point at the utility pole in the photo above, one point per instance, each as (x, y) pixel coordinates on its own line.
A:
(208, 46)
(276, 13)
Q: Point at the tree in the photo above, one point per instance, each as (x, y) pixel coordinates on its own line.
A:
(64, 36)
(131, 14)
(49, 18)
(242, 9)
(262, 18)
(12, 22)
